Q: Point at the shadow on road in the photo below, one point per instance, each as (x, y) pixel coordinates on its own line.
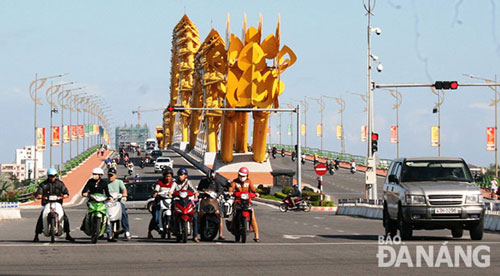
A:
(351, 237)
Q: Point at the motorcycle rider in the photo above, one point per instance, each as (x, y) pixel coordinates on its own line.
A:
(97, 185)
(353, 165)
(162, 185)
(337, 163)
(116, 186)
(243, 184)
(183, 183)
(274, 151)
(51, 186)
(209, 183)
(293, 194)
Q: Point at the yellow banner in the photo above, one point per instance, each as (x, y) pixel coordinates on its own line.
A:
(40, 138)
(434, 136)
(339, 132)
(65, 133)
(303, 129)
(363, 133)
(318, 130)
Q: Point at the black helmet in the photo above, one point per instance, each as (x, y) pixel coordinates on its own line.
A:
(112, 171)
(168, 170)
(182, 171)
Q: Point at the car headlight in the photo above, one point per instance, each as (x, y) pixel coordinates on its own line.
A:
(473, 199)
(415, 199)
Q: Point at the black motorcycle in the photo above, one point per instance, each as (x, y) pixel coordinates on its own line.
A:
(282, 152)
(294, 156)
(208, 216)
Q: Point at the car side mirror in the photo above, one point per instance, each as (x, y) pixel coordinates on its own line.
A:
(393, 179)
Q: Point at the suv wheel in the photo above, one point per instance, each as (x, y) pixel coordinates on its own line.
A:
(390, 225)
(405, 229)
(476, 231)
(457, 232)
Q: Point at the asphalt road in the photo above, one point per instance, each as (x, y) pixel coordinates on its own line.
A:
(292, 243)
(343, 184)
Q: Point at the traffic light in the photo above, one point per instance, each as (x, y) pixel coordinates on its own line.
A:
(172, 108)
(374, 142)
(446, 85)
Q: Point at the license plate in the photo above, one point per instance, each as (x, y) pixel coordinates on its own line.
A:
(447, 210)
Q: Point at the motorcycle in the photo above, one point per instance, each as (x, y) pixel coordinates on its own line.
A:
(243, 216)
(164, 215)
(226, 204)
(331, 169)
(96, 219)
(336, 165)
(294, 156)
(114, 213)
(301, 203)
(143, 163)
(353, 169)
(303, 159)
(53, 217)
(184, 208)
(130, 170)
(209, 216)
(282, 152)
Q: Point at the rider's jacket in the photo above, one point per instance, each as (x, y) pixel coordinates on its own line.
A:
(238, 186)
(185, 185)
(163, 186)
(47, 188)
(93, 187)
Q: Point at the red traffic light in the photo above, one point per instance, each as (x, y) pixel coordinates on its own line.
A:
(374, 136)
(170, 108)
(445, 85)
(453, 85)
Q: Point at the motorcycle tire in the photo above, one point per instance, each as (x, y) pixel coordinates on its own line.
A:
(331, 171)
(52, 229)
(308, 207)
(283, 207)
(303, 162)
(282, 155)
(243, 230)
(274, 156)
(293, 159)
(96, 229)
(184, 231)
(209, 232)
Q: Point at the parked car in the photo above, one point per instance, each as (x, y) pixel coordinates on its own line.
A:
(432, 193)
(139, 194)
(163, 162)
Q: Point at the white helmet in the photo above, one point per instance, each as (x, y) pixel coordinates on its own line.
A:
(98, 171)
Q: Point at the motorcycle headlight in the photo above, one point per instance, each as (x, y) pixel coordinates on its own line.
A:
(244, 196)
(473, 199)
(415, 199)
(183, 194)
(52, 197)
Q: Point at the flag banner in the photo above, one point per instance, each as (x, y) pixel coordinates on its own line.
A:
(96, 129)
(490, 138)
(269, 131)
(303, 129)
(289, 130)
(81, 131)
(339, 132)
(56, 136)
(40, 138)
(87, 130)
(66, 134)
(101, 131)
(394, 134)
(364, 131)
(434, 136)
(318, 130)
(74, 132)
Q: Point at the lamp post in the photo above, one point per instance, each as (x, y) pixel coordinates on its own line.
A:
(494, 103)
(363, 97)
(321, 103)
(76, 98)
(341, 103)
(437, 109)
(291, 125)
(71, 100)
(34, 94)
(399, 99)
(306, 108)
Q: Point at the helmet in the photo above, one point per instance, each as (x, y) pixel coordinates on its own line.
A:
(112, 171)
(243, 171)
(51, 172)
(182, 171)
(168, 170)
(98, 171)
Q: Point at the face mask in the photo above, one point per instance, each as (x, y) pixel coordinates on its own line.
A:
(242, 178)
(95, 177)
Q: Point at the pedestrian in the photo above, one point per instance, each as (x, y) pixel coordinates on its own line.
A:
(320, 183)
(494, 187)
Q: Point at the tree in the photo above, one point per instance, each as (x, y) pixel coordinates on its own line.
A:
(6, 184)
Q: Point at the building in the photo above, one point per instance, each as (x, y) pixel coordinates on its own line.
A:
(133, 134)
(25, 164)
(18, 170)
(26, 156)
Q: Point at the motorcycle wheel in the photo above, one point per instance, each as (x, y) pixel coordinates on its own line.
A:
(244, 229)
(283, 207)
(308, 207)
(331, 172)
(96, 229)
(209, 232)
(184, 231)
(52, 229)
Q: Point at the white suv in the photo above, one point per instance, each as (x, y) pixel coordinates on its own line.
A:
(163, 162)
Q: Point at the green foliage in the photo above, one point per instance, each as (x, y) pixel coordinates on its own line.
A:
(271, 197)
(326, 203)
(280, 195)
(287, 189)
(313, 196)
(264, 190)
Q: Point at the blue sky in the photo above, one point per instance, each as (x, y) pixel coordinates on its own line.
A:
(121, 51)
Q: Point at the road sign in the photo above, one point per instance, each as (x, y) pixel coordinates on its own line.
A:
(320, 169)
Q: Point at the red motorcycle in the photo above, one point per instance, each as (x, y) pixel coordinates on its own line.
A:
(301, 203)
(243, 215)
(184, 208)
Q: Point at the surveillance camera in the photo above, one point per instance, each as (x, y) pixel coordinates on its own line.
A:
(380, 67)
(378, 31)
(374, 57)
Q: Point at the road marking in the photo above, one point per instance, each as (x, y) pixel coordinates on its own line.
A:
(296, 222)
(265, 204)
(319, 217)
(340, 231)
(137, 218)
(327, 228)
(296, 237)
(315, 226)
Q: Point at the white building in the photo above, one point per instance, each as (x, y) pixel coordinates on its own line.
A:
(25, 164)
(26, 154)
(19, 170)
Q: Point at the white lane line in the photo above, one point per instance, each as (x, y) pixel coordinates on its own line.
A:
(356, 234)
(296, 222)
(315, 226)
(340, 231)
(137, 218)
(327, 228)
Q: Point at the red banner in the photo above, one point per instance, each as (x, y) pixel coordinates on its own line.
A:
(40, 138)
(74, 132)
(56, 136)
(490, 138)
(394, 134)
(81, 131)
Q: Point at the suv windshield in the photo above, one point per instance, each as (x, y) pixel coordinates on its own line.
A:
(414, 171)
(160, 160)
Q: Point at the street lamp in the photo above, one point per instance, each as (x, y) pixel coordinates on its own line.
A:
(437, 109)
(34, 95)
(71, 100)
(306, 108)
(494, 103)
(363, 97)
(399, 99)
(321, 103)
(291, 125)
(341, 102)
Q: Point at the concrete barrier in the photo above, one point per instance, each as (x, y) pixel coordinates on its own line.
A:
(9, 210)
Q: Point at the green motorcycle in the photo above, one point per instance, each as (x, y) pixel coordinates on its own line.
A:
(96, 219)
